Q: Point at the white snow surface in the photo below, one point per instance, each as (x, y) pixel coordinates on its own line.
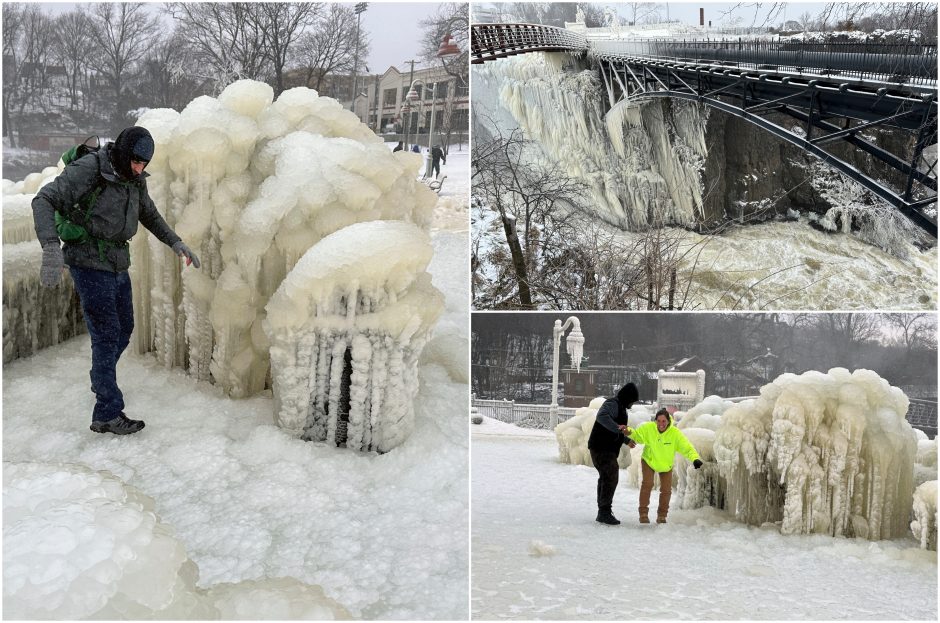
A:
(385, 536)
(702, 565)
(82, 544)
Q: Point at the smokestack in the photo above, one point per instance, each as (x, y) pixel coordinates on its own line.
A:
(701, 16)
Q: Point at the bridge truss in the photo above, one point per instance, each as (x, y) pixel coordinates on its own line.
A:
(836, 93)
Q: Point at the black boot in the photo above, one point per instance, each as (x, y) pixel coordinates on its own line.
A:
(604, 515)
(121, 425)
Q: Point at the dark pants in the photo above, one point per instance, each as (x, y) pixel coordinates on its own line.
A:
(109, 316)
(608, 473)
(436, 166)
(646, 488)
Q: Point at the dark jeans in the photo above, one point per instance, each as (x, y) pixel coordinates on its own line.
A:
(109, 316)
(608, 473)
(436, 167)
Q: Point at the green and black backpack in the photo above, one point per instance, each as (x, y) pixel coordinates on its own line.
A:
(71, 226)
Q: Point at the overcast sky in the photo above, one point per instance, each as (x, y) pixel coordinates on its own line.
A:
(393, 29)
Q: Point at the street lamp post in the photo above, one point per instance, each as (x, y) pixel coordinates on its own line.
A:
(411, 97)
(360, 9)
(574, 345)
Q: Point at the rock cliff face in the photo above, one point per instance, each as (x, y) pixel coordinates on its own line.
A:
(667, 162)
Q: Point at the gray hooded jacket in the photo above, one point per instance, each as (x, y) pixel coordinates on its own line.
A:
(118, 209)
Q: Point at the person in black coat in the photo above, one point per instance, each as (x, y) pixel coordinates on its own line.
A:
(437, 156)
(607, 437)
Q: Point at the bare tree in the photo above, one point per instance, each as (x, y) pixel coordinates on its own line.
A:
(640, 12)
(227, 39)
(281, 24)
(166, 71)
(330, 46)
(73, 43)
(451, 19)
(122, 34)
(914, 329)
(28, 37)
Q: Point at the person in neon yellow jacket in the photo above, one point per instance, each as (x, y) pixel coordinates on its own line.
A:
(661, 440)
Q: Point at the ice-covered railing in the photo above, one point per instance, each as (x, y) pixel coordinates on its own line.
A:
(346, 328)
(251, 184)
(911, 63)
(492, 41)
(826, 453)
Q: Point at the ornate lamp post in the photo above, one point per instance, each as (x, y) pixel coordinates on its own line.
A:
(574, 345)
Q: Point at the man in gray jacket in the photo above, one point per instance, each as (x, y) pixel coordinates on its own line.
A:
(100, 198)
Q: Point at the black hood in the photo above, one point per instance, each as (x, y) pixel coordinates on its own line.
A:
(628, 395)
(123, 149)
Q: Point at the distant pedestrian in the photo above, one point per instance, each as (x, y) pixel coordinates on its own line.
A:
(607, 436)
(399, 147)
(661, 440)
(416, 149)
(95, 205)
(437, 157)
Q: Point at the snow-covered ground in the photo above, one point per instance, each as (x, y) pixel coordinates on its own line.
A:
(539, 554)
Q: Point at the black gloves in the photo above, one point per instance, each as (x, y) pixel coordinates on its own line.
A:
(697, 463)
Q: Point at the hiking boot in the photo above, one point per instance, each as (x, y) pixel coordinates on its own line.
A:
(607, 517)
(121, 425)
(660, 520)
(644, 519)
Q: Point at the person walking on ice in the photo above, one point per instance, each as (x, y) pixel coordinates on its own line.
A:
(607, 436)
(94, 206)
(661, 440)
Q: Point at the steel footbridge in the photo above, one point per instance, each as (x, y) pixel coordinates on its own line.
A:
(835, 92)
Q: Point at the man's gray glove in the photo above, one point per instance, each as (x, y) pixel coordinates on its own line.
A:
(52, 264)
(183, 251)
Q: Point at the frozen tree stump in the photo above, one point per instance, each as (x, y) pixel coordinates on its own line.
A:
(346, 328)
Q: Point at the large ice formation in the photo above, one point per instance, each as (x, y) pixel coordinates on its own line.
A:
(641, 162)
(251, 184)
(925, 464)
(573, 434)
(81, 544)
(826, 453)
(346, 328)
(924, 525)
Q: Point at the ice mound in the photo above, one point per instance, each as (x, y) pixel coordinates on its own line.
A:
(695, 488)
(346, 329)
(706, 414)
(827, 453)
(81, 544)
(573, 434)
(538, 548)
(251, 184)
(924, 525)
(925, 465)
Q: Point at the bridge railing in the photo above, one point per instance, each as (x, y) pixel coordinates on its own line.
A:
(911, 63)
(498, 40)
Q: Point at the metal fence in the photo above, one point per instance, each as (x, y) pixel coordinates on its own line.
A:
(912, 63)
(521, 414)
(922, 414)
(497, 40)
